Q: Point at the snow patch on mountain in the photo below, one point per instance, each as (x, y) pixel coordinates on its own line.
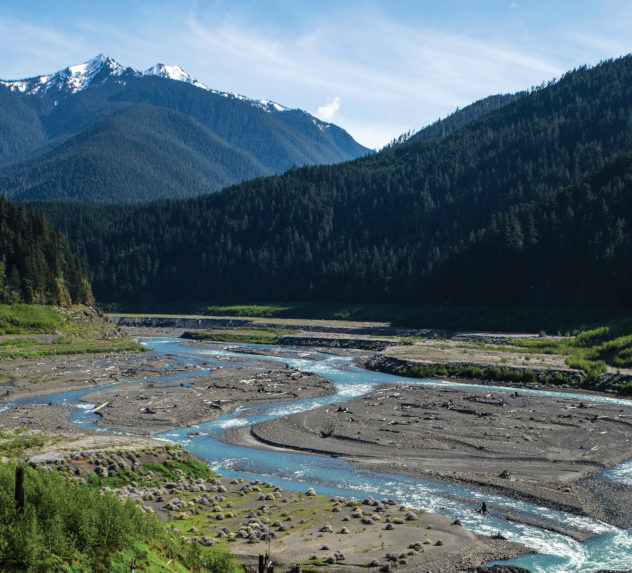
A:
(320, 124)
(271, 105)
(173, 73)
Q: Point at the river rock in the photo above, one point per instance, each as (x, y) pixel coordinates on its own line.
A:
(501, 569)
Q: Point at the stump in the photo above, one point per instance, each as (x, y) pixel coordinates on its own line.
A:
(19, 489)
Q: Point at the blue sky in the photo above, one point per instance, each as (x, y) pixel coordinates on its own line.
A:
(375, 67)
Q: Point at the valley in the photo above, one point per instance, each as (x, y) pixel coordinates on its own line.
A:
(444, 383)
(501, 443)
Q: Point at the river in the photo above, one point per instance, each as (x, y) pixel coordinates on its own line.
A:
(610, 548)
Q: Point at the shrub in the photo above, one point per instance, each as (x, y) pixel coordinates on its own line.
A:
(63, 522)
(61, 518)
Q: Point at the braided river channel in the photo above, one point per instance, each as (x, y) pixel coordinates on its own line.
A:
(608, 548)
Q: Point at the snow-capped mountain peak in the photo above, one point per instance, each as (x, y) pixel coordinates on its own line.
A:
(173, 73)
(80, 76)
(95, 65)
(71, 79)
(103, 68)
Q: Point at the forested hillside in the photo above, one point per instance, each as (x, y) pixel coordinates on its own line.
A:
(458, 119)
(36, 263)
(529, 204)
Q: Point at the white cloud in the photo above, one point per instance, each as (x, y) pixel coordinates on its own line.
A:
(328, 111)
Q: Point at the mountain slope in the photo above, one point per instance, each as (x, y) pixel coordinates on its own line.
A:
(457, 120)
(278, 139)
(462, 117)
(400, 225)
(167, 151)
(21, 128)
(575, 240)
(49, 148)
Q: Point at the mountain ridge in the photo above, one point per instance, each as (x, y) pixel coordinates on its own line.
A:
(102, 67)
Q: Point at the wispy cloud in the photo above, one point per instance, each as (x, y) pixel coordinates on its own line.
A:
(29, 49)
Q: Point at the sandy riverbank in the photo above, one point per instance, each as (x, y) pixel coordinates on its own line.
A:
(381, 533)
(541, 449)
(331, 534)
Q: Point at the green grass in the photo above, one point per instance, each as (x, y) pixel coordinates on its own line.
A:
(16, 446)
(191, 468)
(18, 342)
(590, 350)
(626, 389)
(13, 443)
(85, 347)
(122, 478)
(29, 319)
(258, 310)
(490, 373)
(79, 330)
(164, 472)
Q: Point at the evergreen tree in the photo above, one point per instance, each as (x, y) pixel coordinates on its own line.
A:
(36, 262)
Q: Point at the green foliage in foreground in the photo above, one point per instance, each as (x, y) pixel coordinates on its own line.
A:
(74, 527)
